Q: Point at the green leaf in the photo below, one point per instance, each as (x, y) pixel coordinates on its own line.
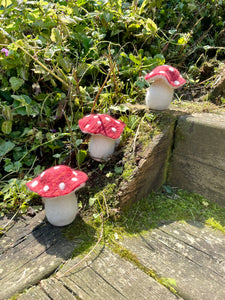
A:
(136, 60)
(23, 99)
(181, 41)
(65, 63)
(23, 207)
(12, 167)
(81, 155)
(134, 26)
(22, 105)
(56, 36)
(7, 113)
(21, 111)
(5, 147)
(92, 201)
(16, 83)
(118, 170)
(7, 127)
(151, 27)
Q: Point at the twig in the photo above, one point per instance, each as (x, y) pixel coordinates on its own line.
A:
(77, 83)
(4, 229)
(135, 138)
(100, 90)
(86, 256)
(106, 206)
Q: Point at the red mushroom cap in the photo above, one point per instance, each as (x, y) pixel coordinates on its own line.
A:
(168, 73)
(101, 124)
(57, 181)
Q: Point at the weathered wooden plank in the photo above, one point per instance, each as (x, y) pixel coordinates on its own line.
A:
(30, 251)
(199, 236)
(107, 276)
(198, 274)
(35, 293)
(154, 162)
(56, 290)
(197, 163)
(192, 251)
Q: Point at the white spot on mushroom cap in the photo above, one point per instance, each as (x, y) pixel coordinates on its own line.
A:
(34, 183)
(75, 173)
(87, 125)
(107, 119)
(62, 186)
(113, 129)
(99, 122)
(176, 82)
(74, 179)
(162, 72)
(57, 167)
(45, 188)
(171, 69)
(42, 174)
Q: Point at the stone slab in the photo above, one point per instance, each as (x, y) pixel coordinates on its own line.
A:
(198, 160)
(192, 254)
(104, 275)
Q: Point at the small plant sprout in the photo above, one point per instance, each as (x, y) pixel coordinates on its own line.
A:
(105, 133)
(57, 186)
(164, 80)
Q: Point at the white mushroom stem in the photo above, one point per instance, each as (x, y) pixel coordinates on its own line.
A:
(101, 147)
(159, 95)
(62, 210)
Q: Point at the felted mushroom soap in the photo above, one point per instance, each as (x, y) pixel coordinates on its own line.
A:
(105, 133)
(57, 186)
(164, 79)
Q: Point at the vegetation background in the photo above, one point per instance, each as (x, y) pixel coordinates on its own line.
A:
(61, 59)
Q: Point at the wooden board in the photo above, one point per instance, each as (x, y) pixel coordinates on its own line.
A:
(192, 254)
(197, 163)
(30, 251)
(104, 275)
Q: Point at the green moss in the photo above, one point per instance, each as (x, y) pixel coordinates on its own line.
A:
(189, 107)
(129, 256)
(215, 225)
(171, 204)
(84, 234)
(150, 125)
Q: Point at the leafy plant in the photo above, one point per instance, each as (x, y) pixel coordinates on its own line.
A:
(60, 60)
